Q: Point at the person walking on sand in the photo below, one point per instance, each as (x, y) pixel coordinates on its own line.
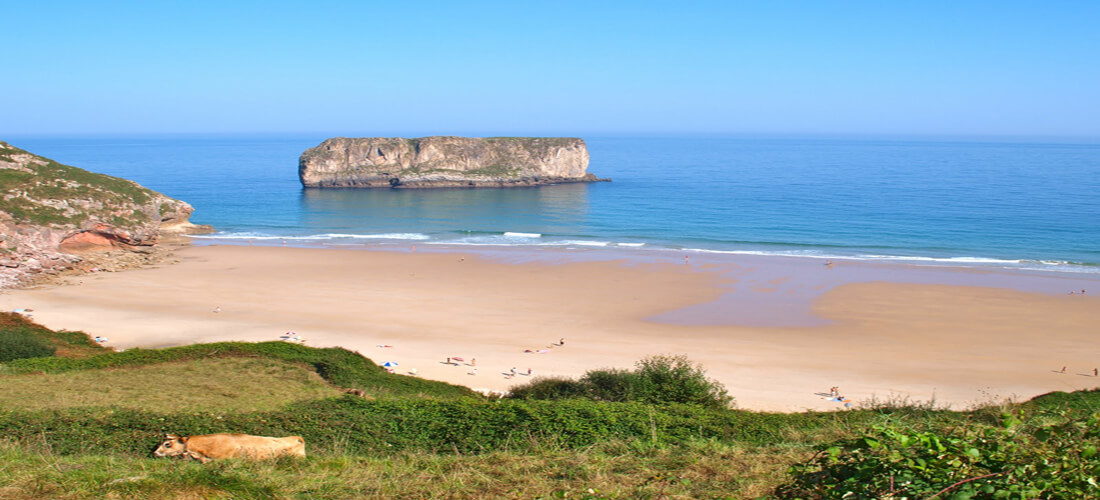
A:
(562, 341)
(513, 371)
(1096, 372)
(448, 361)
(1063, 370)
(473, 361)
(528, 372)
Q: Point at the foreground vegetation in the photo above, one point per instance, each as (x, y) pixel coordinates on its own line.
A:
(661, 430)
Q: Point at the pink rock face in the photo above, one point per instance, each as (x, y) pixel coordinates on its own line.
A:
(87, 241)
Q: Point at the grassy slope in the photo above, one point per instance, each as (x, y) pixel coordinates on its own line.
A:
(216, 385)
(405, 446)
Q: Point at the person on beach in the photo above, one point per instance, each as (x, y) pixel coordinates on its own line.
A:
(218, 309)
(562, 341)
(513, 371)
(1063, 370)
(1096, 372)
(528, 372)
(448, 361)
(473, 362)
(473, 372)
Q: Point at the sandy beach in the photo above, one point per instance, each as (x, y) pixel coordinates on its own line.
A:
(775, 332)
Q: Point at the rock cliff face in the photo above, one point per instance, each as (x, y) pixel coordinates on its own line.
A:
(53, 217)
(431, 162)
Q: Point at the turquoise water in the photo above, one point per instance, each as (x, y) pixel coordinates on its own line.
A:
(982, 204)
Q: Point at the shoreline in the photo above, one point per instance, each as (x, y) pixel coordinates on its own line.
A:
(888, 331)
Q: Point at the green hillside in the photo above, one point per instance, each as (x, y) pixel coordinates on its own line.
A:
(34, 180)
(78, 426)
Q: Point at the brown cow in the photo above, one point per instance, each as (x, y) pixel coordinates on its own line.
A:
(210, 446)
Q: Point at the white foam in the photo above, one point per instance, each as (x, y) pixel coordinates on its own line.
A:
(313, 237)
(581, 243)
(511, 234)
(630, 244)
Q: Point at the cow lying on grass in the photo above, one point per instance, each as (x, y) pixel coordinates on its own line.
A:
(211, 446)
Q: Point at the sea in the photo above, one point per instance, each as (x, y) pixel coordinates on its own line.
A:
(1005, 204)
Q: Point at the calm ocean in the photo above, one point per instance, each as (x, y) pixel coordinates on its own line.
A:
(982, 204)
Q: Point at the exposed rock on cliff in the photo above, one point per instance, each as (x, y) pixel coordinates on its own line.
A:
(431, 162)
(52, 216)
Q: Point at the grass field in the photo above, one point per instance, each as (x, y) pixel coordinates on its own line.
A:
(703, 469)
(217, 384)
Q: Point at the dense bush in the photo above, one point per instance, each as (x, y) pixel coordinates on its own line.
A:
(550, 388)
(67, 343)
(1045, 455)
(20, 343)
(655, 380)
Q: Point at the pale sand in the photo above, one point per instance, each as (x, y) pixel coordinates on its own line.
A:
(958, 344)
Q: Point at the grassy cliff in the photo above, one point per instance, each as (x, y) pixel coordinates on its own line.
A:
(41, 191)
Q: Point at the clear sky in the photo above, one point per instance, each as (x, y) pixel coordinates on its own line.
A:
(552, 67)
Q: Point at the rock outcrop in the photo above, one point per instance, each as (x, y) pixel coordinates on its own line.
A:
(54, 217)
(433, 162)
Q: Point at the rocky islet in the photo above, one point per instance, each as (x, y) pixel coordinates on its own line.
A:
(445, 162)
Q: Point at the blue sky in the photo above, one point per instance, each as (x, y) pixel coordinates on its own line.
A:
(570, 68)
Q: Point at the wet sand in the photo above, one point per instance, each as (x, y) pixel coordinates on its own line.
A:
(775, 331)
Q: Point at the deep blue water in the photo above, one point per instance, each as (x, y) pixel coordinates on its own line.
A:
(1000, 204)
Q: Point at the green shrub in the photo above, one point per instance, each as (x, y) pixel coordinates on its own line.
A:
(1046, 455)
(674, 379)
(655, 380)
(550, 388)
(66, 343)
(20, 343)
(612, 385)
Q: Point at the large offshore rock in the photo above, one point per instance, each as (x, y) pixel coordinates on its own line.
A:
(50, 214)
(431, 162)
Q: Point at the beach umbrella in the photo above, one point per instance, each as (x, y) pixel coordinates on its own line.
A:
(389, 364)
(456, 358)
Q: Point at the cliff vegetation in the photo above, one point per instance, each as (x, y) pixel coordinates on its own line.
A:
(51, 214)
